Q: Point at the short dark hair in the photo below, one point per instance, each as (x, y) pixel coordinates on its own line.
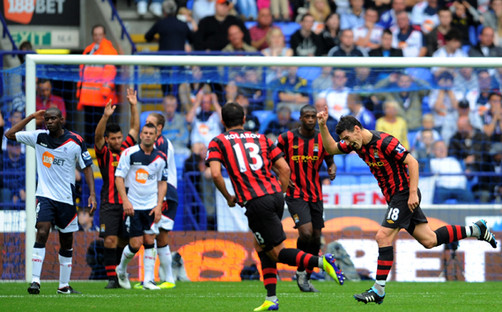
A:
(55, 109)
(232, 114)
(347, 123)
(150, 125)
(307, 108)
(97, 26)
(494, 93)
(112, 128)
(43, 80)
(453, 34)
(387, 31)
(305, 15)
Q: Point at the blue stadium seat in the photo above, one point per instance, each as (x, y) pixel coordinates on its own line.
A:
(264, 116)
(288, 29)
(309, 73)
(355, 164)
(340, 162)
(367, 179)
(425, 105)
(420, 73)
(411, 137)
(344, 180)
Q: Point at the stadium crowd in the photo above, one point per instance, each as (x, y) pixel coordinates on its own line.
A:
(460, 107)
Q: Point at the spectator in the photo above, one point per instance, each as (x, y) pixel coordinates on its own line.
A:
(478, 99)
(492, 120)
(12, 183)
(185, 15)
(347, 46)
(189, 90)
(369, 35)
(14, 117)
(356, 109)
(451, 182)
(496, 168)
(452, 48)
(435, 39)
(46, 99)
(175, 128)
(393, 124)
(386, 49)
(355, 17)
(410, 101)
(320, 104)
(276, 47)
(85, 221)
(24, 46)
(236, 41)
(155, 7)
(472, 146)
(323, 81)
(96, 86)
(388, 19)
(252, 122)
(491, 18)
(283, 123)
(247, 9)
(304, 42)
(422, 148)
(450, 123)
(443, 99)
(405, 37)
(213, 30)
(280, 10)
(173, 33)
(336, 96)
(202, 9)
(320, 10)
(465, 81)
(331, 31)
(363, 83)
(292, 90)
(463, 19)
(425, 15)
(204, 118)
(486, 46)
(261, 30)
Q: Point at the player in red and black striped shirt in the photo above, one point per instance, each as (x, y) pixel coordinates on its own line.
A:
(249, 158)
(304, 152)
(396, 171)
(108, 145)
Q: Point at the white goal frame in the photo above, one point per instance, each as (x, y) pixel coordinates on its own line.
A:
(32, 60)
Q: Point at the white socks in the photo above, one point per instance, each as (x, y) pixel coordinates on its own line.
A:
(166, 262)
(64, 270)
(37, 261)
(149, 265)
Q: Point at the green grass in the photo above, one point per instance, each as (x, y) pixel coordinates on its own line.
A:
(244, 296)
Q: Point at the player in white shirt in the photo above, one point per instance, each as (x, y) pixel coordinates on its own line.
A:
(141, 183)
(169, 206)
(58, 152)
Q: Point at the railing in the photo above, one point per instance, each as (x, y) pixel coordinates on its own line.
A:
(124, 32)
(5, 32)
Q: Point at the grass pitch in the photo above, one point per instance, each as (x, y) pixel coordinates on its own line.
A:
(245, 296)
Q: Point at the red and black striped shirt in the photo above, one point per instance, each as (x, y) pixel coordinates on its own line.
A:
(108, 162)
(304, 156)
(248, 158)
(384, 154)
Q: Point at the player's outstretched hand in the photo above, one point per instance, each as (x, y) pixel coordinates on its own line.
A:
(322, 117)
(92, 204)
(109, 108)
(132, 96)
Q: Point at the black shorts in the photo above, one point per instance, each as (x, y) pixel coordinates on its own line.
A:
(62, 215)
(111, 220)
(304, 212)
(141, 223)
(399, 216)
(264, 218)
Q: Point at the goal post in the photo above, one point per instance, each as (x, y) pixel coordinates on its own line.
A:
(32, 60)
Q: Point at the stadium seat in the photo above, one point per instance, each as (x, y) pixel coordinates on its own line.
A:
(355, 164)
(288, 29)
(309, 73)
(367, 179)
(344, 180)
(340, 163)
(265, 117)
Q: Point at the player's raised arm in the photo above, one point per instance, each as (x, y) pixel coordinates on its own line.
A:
(11, 133)
(215, 167)
(99, 133)
(132, 98)
(327, 140)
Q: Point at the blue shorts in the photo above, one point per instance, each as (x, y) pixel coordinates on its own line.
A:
(141, 223)
(62, 215)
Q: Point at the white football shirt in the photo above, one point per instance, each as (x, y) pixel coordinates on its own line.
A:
(57, 159)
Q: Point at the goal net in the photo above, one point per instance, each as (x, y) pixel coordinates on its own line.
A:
(440, 110)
